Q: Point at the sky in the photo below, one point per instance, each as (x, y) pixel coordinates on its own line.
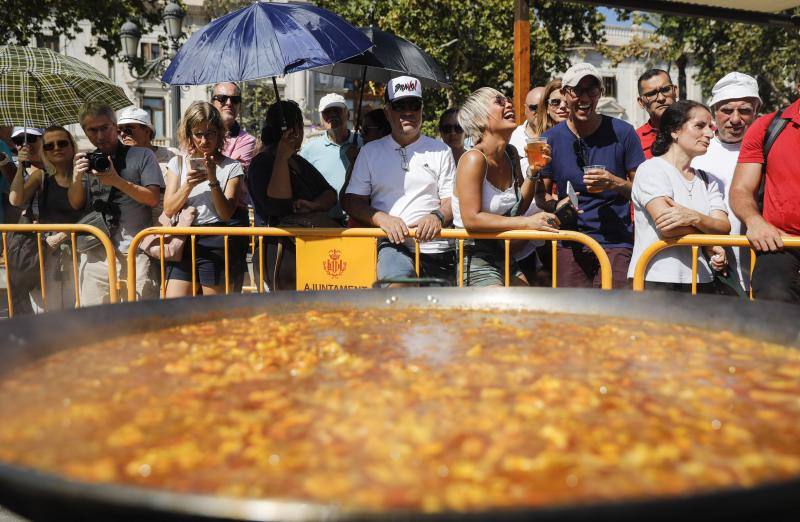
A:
(611, 17)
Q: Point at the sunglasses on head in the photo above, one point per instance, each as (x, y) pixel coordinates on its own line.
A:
(58, 144)
(223, 99)
(447, 129)
(20, 140)
(412, 105)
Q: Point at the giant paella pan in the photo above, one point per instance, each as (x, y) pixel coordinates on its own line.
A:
(436, 404)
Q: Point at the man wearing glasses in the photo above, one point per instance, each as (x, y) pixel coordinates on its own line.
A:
(404, 181)
(125, 193)
(524, 131)
(239, 144)
(599, 155)
(331, 152)
(656, 93)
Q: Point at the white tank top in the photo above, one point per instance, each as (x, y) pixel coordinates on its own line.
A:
(493, 200)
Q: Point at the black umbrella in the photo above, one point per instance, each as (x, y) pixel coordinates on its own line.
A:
(392, 56)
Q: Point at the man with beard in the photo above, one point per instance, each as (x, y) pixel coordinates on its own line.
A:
(734, 104)
(656, 93)
(599, 155)
(404, 181)
(332, 152)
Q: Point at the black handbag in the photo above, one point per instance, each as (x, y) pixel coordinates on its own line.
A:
(86, 242)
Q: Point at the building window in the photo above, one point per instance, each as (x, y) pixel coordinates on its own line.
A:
(48, 42)
(150, 51)
(610, 86)
(155, 106)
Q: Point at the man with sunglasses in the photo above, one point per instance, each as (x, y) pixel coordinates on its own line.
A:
(332, 151)
(239, 144)
(599, 156)
(124, 194)
(656, 93)
(525, 130)
(404, 181)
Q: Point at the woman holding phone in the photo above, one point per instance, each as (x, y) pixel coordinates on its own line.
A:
(286, 190)
(491, 194)
(208, 181)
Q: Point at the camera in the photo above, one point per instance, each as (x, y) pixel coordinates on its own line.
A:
(98, 161)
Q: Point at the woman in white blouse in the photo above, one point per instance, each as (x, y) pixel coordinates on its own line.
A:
(208, 181)
(671, 199)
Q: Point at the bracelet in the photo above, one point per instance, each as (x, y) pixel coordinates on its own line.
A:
(439, 215)
(214, 185)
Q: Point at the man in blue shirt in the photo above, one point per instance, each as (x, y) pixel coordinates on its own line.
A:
(333, 152)
(599, 156)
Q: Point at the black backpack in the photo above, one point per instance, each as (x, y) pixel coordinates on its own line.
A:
(776, 126)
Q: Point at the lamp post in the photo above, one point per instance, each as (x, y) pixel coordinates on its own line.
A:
(130, 35)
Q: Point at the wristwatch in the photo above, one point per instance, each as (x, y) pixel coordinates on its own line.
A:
(215, 184)
(439, 215)
(532, 177)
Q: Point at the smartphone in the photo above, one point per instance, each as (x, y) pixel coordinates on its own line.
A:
(197, 164)
(573, 198)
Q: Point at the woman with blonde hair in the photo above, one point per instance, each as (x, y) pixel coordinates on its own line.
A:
(207, 180)
(491, 194)
(553, 109)
(60, 196)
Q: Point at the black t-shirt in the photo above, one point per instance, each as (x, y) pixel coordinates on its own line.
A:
(307, 183)
(54, 205)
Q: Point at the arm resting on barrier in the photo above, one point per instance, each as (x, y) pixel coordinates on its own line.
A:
(763, 236)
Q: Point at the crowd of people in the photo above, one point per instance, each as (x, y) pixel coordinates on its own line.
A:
(691, 169)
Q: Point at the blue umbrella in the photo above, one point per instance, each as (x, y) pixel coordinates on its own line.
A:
(264, 40)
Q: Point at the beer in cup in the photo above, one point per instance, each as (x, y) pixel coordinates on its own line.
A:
(593, 169)
(534, 147)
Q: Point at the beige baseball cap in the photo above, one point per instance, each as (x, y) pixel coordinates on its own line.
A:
(578, 72)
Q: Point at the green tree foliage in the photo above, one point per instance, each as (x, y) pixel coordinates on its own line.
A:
(718, 47)
(483, 53)
(27, 22)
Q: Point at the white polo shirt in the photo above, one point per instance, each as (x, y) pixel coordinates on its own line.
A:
(408, 194)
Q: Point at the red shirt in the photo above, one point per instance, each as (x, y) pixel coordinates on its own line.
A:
(782, 189)
(647, 134)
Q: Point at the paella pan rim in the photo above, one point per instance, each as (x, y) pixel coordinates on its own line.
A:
(43, 496)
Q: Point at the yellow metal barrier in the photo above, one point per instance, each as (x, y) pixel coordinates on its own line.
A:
(695, 241)
(72, 230)
(458, 234)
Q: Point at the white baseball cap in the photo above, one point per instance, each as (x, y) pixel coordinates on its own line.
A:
(733, 86)
(578, 72)
(19, 131)
(332, 100)
(134, 114)
(403, 87)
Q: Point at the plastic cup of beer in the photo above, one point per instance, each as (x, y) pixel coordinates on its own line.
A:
(592, 169)
(534, 149)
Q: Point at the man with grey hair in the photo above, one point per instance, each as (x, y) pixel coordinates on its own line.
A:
(734, 104)
(124, 184)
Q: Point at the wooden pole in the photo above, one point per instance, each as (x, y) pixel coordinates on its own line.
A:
(522, 57)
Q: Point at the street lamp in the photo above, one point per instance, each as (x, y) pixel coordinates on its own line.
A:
(130, 35)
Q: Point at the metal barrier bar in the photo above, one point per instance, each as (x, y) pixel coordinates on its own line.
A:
(507, 262)
(8, 277)
(554, 254)
(416, 256)
(461, 263)
(38, 228)
(698, 240)
(227, 272)
(460, 234)
(74, 242)
(162, 265)
(260, 264)
(39, 248)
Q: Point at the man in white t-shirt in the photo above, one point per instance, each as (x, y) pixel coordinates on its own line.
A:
(404, 181)
(734, 104)
(524, 131)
